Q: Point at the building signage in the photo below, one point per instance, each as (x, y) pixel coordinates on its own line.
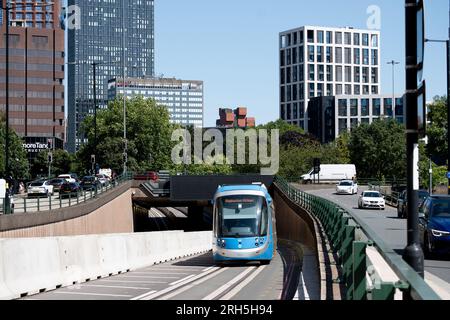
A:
(35, 147)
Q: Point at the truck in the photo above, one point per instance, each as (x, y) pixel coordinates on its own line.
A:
(331, 173)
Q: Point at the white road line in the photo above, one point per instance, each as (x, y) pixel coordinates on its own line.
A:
(209, 268)
(190, 286)
(113, 287)
(303, 288)
(148, 277)
(181, 280)
(93, 294)
(151, 295)
(227, 285)
(131, 281)
(174, 273)
(241, 286)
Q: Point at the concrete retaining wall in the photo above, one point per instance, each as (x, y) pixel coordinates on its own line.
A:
(33, 265)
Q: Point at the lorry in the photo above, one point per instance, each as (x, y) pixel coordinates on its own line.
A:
(331, 173)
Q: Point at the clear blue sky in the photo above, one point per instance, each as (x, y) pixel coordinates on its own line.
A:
(233, 45)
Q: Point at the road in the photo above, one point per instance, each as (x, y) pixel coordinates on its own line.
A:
(197, 278)
(390, 228)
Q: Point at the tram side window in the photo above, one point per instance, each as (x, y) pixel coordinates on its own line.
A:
(264, 220)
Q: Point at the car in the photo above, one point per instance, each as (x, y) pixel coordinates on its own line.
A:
(371, 200)
(434, 225)
(148, 176)
(40, 188)
(103, 179)
(70, 189)
(89, 183)
(347, 187)
(57, 183)
(70, 177)
(402, 203)
(330, 173)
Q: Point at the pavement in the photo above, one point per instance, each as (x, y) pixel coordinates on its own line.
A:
(391, 229)
(198, 278)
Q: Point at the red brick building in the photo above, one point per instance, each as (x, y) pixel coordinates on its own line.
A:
(237, 118)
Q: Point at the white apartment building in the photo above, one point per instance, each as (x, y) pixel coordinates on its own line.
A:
(322, 61)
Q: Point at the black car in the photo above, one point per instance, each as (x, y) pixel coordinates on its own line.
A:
(70, 189)
(57, 183)
(402, 204)
(89, 183)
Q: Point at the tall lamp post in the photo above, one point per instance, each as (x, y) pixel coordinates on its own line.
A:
(393, 62)
(7, 8)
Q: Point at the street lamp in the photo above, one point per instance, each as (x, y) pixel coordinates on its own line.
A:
(447, 43)
(7, 8)
(393, 62)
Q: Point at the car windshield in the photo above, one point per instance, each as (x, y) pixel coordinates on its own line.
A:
(423, 194)
(345, 183)
(441, 208)
(372, 195)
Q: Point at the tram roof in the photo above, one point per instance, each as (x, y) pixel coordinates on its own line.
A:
(244, 187)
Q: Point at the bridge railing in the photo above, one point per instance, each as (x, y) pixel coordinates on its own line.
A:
(26, 204)
(351, 240)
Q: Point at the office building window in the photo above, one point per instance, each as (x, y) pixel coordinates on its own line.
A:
(374, 75)
(374, 40)
(356, 56)
(353, 107)
(311, 53)
(295, 110)
(288, 56)
(320, 36)
(374, 57)
(356, 74)
(329, 73)
(342, 126)
(338, 38)
(282, 76)
(376, 107)
(338, 89)
(356, 89)
(399, 107)
(365, 39)
(310, 36)
(311, 90)
(342, 107)
(295, 38)
(348, 38)
(295, 73)
(329, 89)
(338, 73)
(338, 55)
(365, 75)
(301, 73)
(294, 92)
(321, 72)
(320, 89)
(364, 107)
(348, 56)
(366, 56)
(329, 37)
(388, 107)
(301, 91)
(282, 58)
(320, 54)
(365, 89)
(329, 55)
(348, 89)
(301, 37)
(288, 111)
(301, 54)
(283, 94)
(288, 75)
(348, 74)
(311, 72)
(294, 55)
(301, 110)
(356, 39)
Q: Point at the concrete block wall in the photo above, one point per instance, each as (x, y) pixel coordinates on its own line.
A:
(32, 265)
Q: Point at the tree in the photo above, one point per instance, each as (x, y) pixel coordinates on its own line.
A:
(62, 163)
(149, 134)
(437, 130)
(18, 162)
(379, 150)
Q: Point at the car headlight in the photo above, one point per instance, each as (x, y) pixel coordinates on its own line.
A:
(438, 233)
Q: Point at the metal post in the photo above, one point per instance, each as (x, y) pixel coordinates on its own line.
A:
(125, 147)
(393, 62)
(7, 173)
(413, 254)
(431, 178)
(94, 65)
(448, 106)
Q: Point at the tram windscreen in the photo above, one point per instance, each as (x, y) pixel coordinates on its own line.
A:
(240, 216)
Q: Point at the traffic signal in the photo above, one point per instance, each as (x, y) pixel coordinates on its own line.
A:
(50, 157)
(93, 158)
(316, 165)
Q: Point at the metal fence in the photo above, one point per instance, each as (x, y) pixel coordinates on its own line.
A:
(26, 204)
(350, 238)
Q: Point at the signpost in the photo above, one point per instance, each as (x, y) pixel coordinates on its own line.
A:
(317, 170)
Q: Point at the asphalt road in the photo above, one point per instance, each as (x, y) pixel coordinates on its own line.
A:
(386, 224)
(196, 278)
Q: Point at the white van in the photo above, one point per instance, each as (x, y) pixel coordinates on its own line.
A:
(331, 173)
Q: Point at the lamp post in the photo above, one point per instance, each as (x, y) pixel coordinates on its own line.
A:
(7, 8)
(393, 62)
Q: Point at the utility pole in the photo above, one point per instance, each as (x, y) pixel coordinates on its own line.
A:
(393, 62)
(94, 65)
(448, 101)
(413, 254)
(7, 172)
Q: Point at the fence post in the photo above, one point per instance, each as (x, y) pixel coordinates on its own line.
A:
(24, 205)
(359, 270)
(50, 203)
(38, 204)
(346, 255)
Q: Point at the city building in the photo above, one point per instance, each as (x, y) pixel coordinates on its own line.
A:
(36, 73)
(119, 36)
(237, 118)
(332, 115)
(322, 61)
(183, 98)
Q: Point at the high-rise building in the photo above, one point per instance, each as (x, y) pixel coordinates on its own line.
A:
(183, 98)
(36, 73)
(119, 36)
(237, 118)
(322, 61)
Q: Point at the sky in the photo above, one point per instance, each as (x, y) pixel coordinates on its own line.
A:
(233, 45)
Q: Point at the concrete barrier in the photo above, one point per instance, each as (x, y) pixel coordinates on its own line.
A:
(32, 265)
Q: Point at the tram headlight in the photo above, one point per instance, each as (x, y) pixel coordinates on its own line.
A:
(223, 243)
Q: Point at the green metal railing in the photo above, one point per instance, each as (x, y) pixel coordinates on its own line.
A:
(341, 228)
(35, 204)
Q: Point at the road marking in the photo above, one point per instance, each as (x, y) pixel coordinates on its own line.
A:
(304, 289)
(241, 286)
(148, 277)
(94, 294)
(151, 295)
(131, 281)
(227, 285)
(190, 286)
(208, 268)
(174, 273)
(118, 287)
(181, 280)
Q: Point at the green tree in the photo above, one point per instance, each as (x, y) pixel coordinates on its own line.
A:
(437, 130)
(18, 162)
(439, 172)
(62, 163)
(379, 150)
(149, 134)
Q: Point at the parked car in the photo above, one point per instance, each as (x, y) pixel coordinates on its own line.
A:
(70, 177)
(57, 183)
(103, 179)
(89, 183)
(331, 173)
(347, 187)
(40, 188)
(70, 189)
(371, 200)
(148, 176)
(434, 225)
(402, 204)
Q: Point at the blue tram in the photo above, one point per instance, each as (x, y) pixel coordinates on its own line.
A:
(243, 224)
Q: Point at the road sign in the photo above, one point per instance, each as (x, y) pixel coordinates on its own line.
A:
(316, 165)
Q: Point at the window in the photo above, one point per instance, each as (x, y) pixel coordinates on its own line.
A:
(288, 94)
(354, 123)
(294, 92)
(288, 75)
(283, 94)
(338, 38)
(282, 76)
(374, 75)
(311, 53)
(329, 54)
(301, 110)
(365, 75)
(356, 56)
(301, 37)
(374, 40)
(342, 126)
(338, 55)
(356, 39)
(399, 107)
(295, 38)
(319, 54)
(288, 111)
(294, 55)
(320, 89)
(348, 55)
(376, 107)
(300, 54)
(301, 92)
(342, 107)
(301, 73)
(348, 38)
(329, 89)
(310, 36)
(329, 37)
(338, 73)
(374, 57)
(356, 89)
(329, 73)
(288, 56)
(320, 36)
(388, 107)
(348, 74)
(338, 89)
(295, 74)
(356, 74)
(365, 39)
(366, 56)
(311, 90)
(282, 58)
(321, 72)
(354, 107)
(311, 76)
(348, 89)
(365, 107)
(365, 89)
(295, 110)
